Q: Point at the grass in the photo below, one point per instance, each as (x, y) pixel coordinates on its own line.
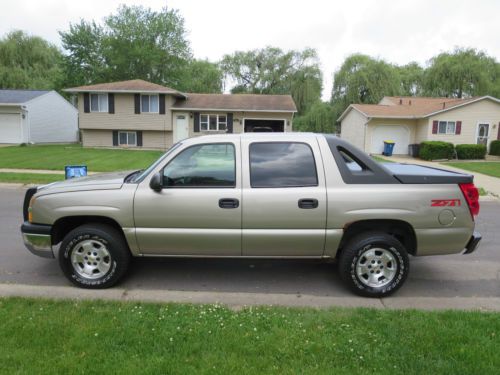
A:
(381, 159)
(30, 178)
(61, 337)
(482, 191)
(490, 168)
(55, 157)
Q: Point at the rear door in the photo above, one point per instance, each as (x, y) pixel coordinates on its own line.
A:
(284, 198)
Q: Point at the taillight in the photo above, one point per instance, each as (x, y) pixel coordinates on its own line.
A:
(471, 195)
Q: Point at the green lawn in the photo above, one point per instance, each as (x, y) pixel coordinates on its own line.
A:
(55, 157)
(381, 159)
(30, 178)
(47, 337)
(491, 168)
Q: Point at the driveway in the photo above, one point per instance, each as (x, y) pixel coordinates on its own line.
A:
(453, 281)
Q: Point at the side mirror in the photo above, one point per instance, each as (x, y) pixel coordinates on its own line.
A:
(155, 182)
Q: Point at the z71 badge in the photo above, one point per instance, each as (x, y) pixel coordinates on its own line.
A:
(445, 202)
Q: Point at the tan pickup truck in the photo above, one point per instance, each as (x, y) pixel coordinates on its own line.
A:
(267, 195)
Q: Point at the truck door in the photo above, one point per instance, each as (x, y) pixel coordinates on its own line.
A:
(198, 211)
(284, 198)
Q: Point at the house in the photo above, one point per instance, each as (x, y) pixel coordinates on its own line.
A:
(36, 116)
(410, 120)
(138, 113)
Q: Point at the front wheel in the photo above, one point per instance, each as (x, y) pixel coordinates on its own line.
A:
(374, 264)
(94, 256)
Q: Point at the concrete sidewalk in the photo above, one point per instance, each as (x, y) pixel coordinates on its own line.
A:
(488, 183)
(35, 171)
(240, 300)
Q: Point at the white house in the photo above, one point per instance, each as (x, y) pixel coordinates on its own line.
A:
(36, 116)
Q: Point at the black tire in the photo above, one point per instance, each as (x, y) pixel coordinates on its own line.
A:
(365, 247)
(105, 239)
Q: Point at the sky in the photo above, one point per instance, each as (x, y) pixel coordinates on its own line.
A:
(398, 31)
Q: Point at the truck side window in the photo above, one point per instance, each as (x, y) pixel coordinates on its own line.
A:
(207, 165)
(282, 164)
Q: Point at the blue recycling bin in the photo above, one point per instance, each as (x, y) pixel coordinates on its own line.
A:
(388, 148)
(75, 171)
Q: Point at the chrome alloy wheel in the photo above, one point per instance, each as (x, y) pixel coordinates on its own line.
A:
(91, 259)
(376, 267)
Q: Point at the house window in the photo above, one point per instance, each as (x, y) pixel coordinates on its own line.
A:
(149, 103)
(127, 138)
(446, 127)
(98, 102)
(213, 122)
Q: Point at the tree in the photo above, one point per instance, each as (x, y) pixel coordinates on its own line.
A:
(202, 76)
(29, 62)
(411, 79)
(136, 42)
(465, 72)
(362, 79)
(319, 119)
(273, 71)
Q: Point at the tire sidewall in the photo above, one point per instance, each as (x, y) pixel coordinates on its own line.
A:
(70, 244)
(402, 264)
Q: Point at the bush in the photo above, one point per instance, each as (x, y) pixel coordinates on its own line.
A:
(433, 150)
(471, 151)
(495, 148)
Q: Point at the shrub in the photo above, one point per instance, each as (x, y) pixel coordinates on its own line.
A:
(433, 150)
(495, 148)
(471, 151)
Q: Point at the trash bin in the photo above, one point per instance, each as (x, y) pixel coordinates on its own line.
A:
(388, 147)
(75, 171)
(413, 150)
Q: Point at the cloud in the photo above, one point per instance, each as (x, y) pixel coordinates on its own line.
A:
(398, 31)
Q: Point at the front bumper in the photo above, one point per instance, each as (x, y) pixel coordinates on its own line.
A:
(37, 239)
(473, 243)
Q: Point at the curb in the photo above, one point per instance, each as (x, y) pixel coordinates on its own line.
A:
(239, 300)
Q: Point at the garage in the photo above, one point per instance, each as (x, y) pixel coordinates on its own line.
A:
(396, 133)
(10, 128)
(263, 125)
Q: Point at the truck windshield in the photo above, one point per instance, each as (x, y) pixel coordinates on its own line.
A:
(147, 171)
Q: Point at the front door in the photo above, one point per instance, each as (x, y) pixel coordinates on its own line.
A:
(181, 127)
(198, 211)
(284, 199)
(483, 132)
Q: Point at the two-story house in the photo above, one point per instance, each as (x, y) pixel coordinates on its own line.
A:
(137, 113)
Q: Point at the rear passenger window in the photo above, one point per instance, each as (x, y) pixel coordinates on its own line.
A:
(282, 164)
(208, 165)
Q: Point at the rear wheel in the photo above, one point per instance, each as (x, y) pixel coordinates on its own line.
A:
(94, 256)
(374, 264)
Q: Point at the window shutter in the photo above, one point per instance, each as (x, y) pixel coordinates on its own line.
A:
(86, 102)
(111, 103)
(115, 137)
(137, 104)
(434, 127)
(498, 135)
(458, 127)
(139, 138)
(229, 123)
(196, 128)
(161, 98)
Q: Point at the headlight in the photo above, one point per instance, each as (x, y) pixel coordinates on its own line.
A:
(30, 209)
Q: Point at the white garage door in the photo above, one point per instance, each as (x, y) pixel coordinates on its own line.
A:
(396, 133)
(10, 128)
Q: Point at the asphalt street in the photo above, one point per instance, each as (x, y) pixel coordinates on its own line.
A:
(474, 275)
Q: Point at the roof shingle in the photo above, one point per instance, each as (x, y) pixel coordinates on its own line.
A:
(19, 96)
(134, 85)
(410, 107)
(234, 102)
